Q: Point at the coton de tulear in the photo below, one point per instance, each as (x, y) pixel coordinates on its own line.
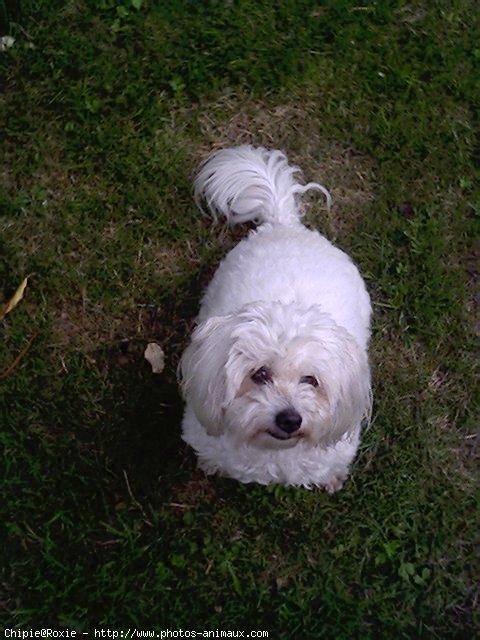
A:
(276, 377)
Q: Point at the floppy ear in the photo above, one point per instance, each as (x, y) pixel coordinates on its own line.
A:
(343, 367)
(203, 372)
(352, 395)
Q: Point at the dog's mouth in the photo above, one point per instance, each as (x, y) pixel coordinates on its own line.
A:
(278, 434)
(273, 438)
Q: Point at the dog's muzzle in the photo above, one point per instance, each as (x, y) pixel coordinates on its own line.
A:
(287, 423)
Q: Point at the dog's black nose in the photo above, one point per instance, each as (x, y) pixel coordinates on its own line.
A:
(288, 420)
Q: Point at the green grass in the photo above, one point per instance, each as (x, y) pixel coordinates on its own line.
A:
(107, 108)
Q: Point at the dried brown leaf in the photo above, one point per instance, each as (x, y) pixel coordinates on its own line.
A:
(14, 300)
(155, 356)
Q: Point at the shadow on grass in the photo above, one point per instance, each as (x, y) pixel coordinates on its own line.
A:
(142, 436)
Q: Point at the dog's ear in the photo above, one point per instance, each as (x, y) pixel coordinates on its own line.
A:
(342, 366)
(351, 393)
(203, 373)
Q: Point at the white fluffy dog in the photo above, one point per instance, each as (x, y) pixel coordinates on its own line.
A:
(276, 378)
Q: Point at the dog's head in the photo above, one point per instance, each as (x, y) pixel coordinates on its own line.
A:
(274, 374)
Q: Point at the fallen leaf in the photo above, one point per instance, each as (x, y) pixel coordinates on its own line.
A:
(155, 356)
(14, 300)
(6, 42)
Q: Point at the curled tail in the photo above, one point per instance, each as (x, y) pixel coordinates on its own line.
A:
(252, 184)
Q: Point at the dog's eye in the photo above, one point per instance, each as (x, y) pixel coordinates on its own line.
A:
(262, 376)
(309, 380)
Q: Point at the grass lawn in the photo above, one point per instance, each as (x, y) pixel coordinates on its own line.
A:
(106, 108)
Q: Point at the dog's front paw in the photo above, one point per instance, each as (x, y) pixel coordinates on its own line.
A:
(335, 484)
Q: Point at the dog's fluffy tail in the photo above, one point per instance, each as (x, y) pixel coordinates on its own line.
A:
(252, 184)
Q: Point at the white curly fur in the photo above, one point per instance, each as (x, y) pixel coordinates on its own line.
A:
(276, 377)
